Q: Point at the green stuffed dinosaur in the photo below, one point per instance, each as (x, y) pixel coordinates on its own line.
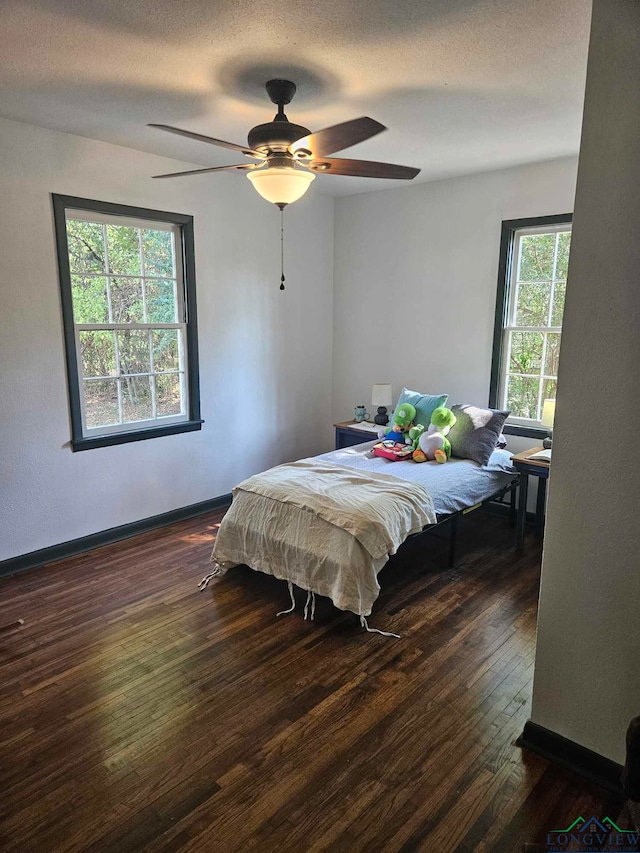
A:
(433, 444)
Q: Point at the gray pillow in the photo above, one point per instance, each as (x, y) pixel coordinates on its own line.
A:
(475, 432)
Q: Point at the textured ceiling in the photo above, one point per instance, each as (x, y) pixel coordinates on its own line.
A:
(463, 85)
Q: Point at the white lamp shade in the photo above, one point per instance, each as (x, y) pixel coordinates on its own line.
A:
(281, 185)
(381, 395)
(548, 413)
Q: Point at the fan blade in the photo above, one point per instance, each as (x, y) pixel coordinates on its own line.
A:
(245, 167)
(363, 169)
(338, 137)
(201, 138)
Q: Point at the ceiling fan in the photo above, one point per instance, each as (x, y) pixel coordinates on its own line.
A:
(289, 155)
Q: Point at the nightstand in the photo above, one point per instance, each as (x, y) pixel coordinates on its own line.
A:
(347, 436)
(527, 467)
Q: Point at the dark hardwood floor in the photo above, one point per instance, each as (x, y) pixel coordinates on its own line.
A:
(137, 713)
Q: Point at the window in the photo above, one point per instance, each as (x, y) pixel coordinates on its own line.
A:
(128, 302)
(534, 257)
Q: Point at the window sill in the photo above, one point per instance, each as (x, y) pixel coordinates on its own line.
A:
(525, 431)
(135, 435)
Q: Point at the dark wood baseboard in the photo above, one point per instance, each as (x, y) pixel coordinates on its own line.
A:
(104, 537)
(560, 750)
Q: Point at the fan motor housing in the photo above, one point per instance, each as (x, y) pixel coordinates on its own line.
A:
(275, 135)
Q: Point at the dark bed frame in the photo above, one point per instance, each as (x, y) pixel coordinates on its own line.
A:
(453, 519)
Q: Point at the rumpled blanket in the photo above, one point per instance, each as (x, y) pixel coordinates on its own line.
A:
(327, 528)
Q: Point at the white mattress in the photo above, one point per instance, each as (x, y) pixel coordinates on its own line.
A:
(454, 485)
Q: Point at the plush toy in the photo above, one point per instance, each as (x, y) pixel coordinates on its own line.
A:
(433, 444)
(414, 434)
(402, 425)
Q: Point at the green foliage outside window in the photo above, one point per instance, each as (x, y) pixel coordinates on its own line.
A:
(533, 352)
(120, 275)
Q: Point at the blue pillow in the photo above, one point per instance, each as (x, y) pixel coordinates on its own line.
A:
(424, 404)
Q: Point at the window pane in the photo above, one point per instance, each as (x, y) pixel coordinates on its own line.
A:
(125, 271)
(101, 402)
(557, 309)
(123, 249)
(532, 306)
(165, 350)
(168, 398)
(133, 349)
(161, 302)
(536, 257)
(526, 352)
(86, 247)
(89, 299)
(549, 389)
(564, 244)
(136, 398)
(126, 300)
(522, 396)
(552, 354)
(97, 354)
(158, 253)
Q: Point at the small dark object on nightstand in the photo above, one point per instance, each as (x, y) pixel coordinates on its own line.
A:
(382, 418)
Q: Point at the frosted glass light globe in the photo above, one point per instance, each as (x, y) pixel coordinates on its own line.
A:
(281, 185)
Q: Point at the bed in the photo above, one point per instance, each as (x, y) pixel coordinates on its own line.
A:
(454, 486)
(329, 524)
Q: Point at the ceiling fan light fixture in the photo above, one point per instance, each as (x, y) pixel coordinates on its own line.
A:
(281, 184)
(281, 145)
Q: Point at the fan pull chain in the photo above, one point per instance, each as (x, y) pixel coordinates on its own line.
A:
(282, 248)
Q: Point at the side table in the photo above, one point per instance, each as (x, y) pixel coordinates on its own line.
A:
(347, 435)
(527, 467)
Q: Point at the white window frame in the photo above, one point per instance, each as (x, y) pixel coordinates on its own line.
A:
(511, 326)
(180, 226)
(104, 219)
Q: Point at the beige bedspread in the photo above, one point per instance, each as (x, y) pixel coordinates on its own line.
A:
(327, 528)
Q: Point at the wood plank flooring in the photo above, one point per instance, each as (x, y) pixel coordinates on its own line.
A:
(139, 714)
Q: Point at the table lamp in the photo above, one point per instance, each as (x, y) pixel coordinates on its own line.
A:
(381, 397)
(548, 415)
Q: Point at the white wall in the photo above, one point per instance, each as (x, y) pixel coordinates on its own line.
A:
(587, 676)
(416, 275)
(265, 356)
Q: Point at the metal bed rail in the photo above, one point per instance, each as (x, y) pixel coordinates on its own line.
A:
(453, 519)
